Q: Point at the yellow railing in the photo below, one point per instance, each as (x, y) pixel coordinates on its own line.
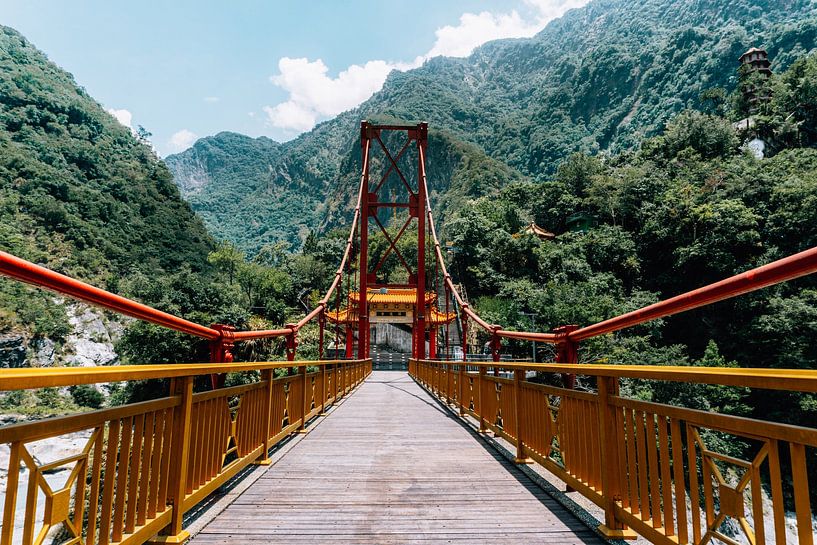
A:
(647, 465)
(145, 464)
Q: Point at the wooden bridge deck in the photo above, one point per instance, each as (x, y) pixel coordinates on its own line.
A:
(389, 465)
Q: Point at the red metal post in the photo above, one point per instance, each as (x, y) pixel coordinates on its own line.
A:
(321, 327)
(350, 342)
(496, 346)
(420, 327)
(363, 271)
(567, 351)
(447, 324)
(464, 320)
(432, 343)
(292, 345)
(221, 351)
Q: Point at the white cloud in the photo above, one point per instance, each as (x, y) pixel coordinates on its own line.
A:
(211, 100)
(313, 95)
(181, 140)
(123, 116)
(547, 10)
(476, 29)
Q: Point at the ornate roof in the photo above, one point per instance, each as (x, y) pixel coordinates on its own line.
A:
(395, 296)
(535, 230)
(399, 296)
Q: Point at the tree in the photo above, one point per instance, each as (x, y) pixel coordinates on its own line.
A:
(708, 135)
(226, 258)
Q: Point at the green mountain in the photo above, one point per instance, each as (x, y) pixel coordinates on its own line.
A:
(599, 79)
(79, 194)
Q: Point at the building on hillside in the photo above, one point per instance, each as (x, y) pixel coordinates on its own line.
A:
(755, 68)
(756, 60)
(535, 230)
(581, 222)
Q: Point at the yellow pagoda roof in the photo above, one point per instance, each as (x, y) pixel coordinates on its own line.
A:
(396, 296)
(399, 296)
(535, 230)
(435, 317)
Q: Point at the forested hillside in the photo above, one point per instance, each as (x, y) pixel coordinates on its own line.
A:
(688, 208)
(597, 80)
(78, 192)
(81, 195)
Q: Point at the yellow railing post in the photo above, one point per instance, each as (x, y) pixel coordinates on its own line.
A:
(11, 493)
(460, 385)
(521, 458)
(479, 407)
(449, 379)
(325, 388)
(180, 453)
(304, 399)
(266, 376)
(609, 439)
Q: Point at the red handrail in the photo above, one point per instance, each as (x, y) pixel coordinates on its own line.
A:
(778, 271)
(25, 271)
(28, 272)
(782, 270)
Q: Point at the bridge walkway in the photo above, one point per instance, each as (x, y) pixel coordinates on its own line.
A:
(389, 465)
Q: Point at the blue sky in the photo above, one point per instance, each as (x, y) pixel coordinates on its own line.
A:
(187, 69)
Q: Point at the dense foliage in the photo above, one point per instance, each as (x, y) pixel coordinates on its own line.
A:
(82, 195)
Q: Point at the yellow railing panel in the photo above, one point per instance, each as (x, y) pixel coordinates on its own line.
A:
(649, 466)
(145, 464)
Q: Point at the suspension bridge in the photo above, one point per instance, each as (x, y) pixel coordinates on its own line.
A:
(395, 457)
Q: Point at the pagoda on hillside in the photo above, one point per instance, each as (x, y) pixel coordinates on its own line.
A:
(755, 68)
(756, 60)
(535, 230)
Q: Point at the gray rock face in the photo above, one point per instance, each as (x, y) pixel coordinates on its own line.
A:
(92, 340)
(12, 351)
(42, 352)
